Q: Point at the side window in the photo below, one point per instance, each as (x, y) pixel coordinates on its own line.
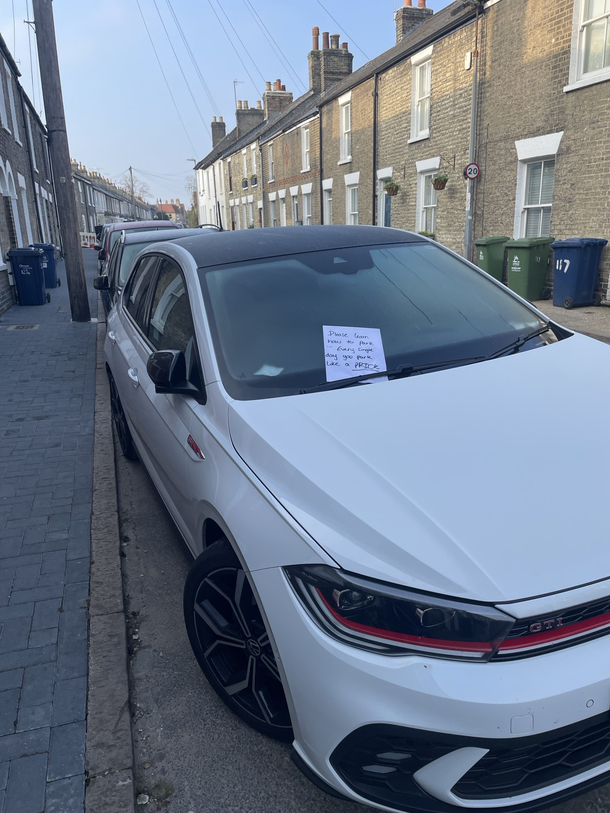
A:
(136, 296)
(171, 325)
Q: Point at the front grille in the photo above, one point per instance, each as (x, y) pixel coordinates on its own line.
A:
(378, 762)
(513, 771)
(533, 636)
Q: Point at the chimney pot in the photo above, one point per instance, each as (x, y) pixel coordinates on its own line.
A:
(213, 118)
(325, 42)
(246, 106)
(258, 104)
(407, 2)
(283, 87)
(344, 46)
(278, 84)
(315, 32)
(239, 104)
(334, 41)
(267, 86)
(421, 3)
(221, 118)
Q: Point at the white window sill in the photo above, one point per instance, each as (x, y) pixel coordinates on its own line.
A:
(345, 161)
(421, 137)
(306, 169)
(586, 81)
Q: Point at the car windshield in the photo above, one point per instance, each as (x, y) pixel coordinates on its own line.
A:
(286, 324)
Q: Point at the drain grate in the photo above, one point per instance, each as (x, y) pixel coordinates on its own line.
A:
(23, 327)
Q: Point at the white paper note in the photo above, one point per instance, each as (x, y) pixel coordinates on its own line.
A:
(351, 351)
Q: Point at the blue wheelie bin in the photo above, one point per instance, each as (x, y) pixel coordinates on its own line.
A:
(29, 276)
(576, 264)
(48, 264)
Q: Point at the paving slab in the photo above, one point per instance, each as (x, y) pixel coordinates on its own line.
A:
(47, 366)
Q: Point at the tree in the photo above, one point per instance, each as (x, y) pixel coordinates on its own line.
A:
(192, 218)
(138, 190)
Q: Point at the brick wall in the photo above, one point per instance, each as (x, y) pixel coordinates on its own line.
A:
(522, 97)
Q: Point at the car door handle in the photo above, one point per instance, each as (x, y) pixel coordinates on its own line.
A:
(112, 336)
(133, 374)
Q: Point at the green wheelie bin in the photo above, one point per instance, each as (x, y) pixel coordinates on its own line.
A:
(527, 261)
(490, 255)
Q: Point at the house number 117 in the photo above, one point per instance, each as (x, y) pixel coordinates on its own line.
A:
(562, 265)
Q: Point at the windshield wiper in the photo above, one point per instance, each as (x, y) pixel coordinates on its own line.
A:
(402, 371)
(518, 343)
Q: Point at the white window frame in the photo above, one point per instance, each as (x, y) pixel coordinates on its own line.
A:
(271, 163)
(3, 113)
(420, 95)
(244, 163)
(345, 128)
(11, 99)
(383, 176)
(306, 190)
(253, 158)
(305, 148)
(577, 77)
(327, 192)
(530, 150)
(424, 169)
(352, 181)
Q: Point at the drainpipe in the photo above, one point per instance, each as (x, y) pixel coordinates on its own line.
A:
(321, 168)
(473, 143)
(375, 115)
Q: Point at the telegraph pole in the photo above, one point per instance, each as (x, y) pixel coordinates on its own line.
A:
(60, 158)
(133, 205)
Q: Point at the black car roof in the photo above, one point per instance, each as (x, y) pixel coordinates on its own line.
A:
(218, 248)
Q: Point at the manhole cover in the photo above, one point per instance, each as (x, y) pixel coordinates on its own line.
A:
(23, 327)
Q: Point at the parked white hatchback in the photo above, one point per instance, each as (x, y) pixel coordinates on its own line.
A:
(385, 465)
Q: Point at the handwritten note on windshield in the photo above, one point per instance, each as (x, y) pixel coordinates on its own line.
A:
(351, 351)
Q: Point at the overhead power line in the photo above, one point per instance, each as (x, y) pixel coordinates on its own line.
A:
(186, 81)
(232, 44)
(351, 39)
(283, 58)
(193, 60)
(169, 90)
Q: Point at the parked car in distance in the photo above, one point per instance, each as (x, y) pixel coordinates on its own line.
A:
(111, 233)
(384, 465)
(126, 248)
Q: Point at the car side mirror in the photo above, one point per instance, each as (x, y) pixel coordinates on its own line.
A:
(167, 371)
(101, 283)
(97, 247)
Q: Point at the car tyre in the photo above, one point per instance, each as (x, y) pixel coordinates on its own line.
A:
(120, 423)
(232, 646)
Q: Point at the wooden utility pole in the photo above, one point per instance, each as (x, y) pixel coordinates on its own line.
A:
(60, 158)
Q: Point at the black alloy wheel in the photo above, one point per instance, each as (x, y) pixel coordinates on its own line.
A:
(120, 422)
(230, 641)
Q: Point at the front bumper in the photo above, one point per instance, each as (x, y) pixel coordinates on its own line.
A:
(462, 721)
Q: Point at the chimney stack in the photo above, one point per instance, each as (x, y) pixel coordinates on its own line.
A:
(277, 100)
(247, 118)
(219, 131)
(329, 65)
(409, 18)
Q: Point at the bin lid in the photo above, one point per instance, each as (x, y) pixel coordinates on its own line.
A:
(579, 242)
(488, 241)
(46, 246)
(529, 242)
(25, 251)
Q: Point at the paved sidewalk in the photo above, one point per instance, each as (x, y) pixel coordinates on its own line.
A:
(47, 370)
(593, 321)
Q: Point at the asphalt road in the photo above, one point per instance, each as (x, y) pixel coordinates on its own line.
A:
(192, 755)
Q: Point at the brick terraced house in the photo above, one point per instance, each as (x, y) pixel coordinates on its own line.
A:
(27, 213)
(522, 87)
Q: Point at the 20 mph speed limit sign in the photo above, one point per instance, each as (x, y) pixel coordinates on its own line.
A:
(472, 171)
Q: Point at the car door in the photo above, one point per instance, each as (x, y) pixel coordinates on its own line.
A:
(164, 420)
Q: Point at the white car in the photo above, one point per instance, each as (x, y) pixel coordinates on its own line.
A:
(390, 471)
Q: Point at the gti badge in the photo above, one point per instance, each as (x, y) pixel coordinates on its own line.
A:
(543, 626)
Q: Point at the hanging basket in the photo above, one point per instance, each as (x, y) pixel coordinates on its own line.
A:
(391, 189)
(439, 183)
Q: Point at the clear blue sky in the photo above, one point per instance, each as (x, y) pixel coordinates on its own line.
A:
(119, 109)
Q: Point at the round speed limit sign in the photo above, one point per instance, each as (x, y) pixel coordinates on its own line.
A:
(472, 171)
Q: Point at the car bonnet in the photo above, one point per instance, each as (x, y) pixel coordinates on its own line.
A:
(486, 482)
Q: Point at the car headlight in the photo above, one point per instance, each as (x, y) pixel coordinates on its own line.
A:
(392, 620)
